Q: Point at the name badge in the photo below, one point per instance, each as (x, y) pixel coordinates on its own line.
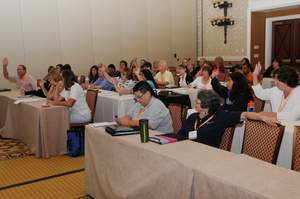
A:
(193, 135)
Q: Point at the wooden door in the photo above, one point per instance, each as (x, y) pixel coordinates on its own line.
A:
(286, 41)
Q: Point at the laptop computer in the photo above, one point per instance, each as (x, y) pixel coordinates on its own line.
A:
(116, 130)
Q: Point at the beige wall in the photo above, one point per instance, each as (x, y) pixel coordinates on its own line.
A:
(213, 37)
(39, 33)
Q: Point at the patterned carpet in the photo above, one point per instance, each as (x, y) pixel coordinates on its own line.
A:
(22, 174)
(11, 149)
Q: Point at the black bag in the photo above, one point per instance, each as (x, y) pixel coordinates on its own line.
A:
(75, 142)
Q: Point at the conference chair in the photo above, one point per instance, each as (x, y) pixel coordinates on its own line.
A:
(227, 139)
(296, 151)
(178, 114)
(259, 104)
(262, 141)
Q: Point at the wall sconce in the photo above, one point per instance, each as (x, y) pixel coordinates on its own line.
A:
(223, 21)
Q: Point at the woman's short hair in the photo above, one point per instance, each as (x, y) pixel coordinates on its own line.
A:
(69, 79)
(288, 75)
(143, 87)
(124, 62)
(209, 99)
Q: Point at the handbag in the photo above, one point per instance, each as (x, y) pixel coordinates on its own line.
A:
(75, 142)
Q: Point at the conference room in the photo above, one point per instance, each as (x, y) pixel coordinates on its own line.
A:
(149, 99)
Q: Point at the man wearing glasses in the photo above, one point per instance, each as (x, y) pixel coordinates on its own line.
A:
(147, 107)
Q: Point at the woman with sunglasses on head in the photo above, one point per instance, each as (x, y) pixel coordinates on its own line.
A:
(209, 122)
(148, 107)
(73, 97)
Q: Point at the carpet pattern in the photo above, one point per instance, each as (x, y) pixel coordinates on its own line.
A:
(68, 186)
(30, 168)
(12, 148)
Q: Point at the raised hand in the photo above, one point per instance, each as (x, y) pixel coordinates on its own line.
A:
(5, 62)
(257, 69)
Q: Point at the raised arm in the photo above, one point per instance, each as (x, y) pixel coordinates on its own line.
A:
(256, 74)
(5, 71)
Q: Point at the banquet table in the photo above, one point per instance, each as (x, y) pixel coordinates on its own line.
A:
(111, 104)
(192, 92)
(43, 129)
(122, 167)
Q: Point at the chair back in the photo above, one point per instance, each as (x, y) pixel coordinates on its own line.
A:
(91, 99)
(227, 139)
(296, 151)
(262, 141)
(178, 114)
(259, 104)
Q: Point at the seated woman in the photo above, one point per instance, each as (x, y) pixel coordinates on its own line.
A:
(203, 81)
(270, 72)
(146, 75)
(102, 82)
(147, 107)
(209, 123)
(73, 97)
(246, 70)
(236, 94)
(184, 78)
(56, 85)
(124, 84)
(93, 75)
(284, 97)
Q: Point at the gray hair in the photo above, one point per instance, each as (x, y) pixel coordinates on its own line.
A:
(209, 99)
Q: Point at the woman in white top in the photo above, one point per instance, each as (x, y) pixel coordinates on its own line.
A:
(73, 97)
(203, 82)
(284, 97)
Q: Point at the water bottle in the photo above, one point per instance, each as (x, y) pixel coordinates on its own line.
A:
(250, 106)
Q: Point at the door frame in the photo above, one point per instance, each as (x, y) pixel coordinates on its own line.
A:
(269, 35)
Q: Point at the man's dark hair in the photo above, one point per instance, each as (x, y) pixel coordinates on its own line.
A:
(66, 67)
(143, 87)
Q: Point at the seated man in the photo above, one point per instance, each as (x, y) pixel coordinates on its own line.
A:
(147, 107)
(24, 81)
(164, 77)
(284, 97)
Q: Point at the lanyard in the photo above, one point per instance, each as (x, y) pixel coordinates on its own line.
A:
(205, 122)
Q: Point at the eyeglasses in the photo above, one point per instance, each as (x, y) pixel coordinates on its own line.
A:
(139, 96)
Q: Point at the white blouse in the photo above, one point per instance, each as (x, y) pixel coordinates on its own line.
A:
(197, 83)
(290, 109)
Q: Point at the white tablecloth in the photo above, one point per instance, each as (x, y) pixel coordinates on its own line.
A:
(110, 104)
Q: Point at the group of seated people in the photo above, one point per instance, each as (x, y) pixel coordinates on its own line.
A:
(221, 101)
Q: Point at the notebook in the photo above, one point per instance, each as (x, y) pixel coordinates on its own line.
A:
(116, 130)
(167, 138)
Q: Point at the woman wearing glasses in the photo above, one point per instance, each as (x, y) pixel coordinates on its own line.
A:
(209, 122)
(147, 107)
